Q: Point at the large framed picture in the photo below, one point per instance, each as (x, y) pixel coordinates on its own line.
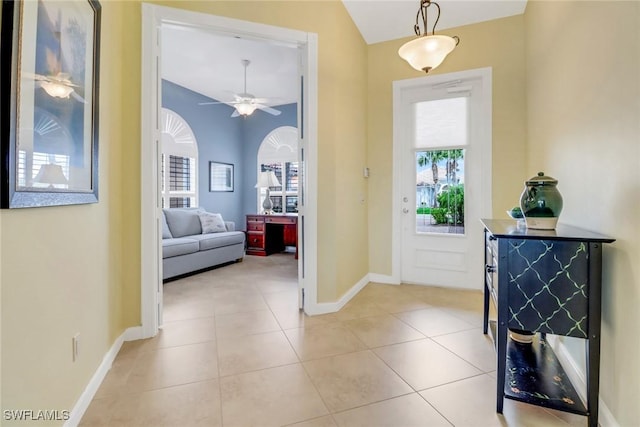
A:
(220, 176)
(49, 103)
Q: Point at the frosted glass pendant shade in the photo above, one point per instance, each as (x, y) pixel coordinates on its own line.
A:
(245, 108)
(427, 52)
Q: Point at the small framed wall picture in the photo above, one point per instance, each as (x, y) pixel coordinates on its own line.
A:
(220, 176)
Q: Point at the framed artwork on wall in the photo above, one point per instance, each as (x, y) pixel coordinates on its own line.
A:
(49, 79)
(220, 176)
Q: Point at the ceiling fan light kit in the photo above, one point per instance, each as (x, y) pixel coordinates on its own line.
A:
(245, 108)
(56, 90)
(427, 51)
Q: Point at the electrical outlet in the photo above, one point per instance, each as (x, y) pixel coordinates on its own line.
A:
(75, 346)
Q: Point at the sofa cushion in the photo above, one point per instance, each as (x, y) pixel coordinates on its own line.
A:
(179, 246)
(211, 223)
(183, 221)
(218, 240)
(166, 233)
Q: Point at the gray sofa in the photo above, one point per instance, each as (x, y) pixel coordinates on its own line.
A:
(186, 249)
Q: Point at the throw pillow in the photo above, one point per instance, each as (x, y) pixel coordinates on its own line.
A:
(183, 221)
(211, 222)
(166, 233)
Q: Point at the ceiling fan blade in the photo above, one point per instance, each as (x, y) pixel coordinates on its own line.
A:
(269, 110)
(78, 97)
(211, 103)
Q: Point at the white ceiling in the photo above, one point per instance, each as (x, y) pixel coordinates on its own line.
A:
(210, 63)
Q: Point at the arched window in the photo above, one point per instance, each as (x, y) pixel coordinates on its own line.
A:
(179, 162)
(278, 152)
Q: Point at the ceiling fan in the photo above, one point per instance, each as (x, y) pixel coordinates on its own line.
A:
(55, 83)
(58, 86)
(245, 103)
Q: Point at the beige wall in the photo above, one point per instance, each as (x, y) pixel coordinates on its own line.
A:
(77, 269)
(60, 271)
(583, 99)
(498, 44)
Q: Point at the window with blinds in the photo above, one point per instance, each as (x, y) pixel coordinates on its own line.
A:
(179, 162)
(279, 153)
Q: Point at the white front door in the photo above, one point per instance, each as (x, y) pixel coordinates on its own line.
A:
(442, 154)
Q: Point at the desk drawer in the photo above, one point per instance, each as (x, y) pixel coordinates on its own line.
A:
(491, 263)
(280, 220)
(255, 241)
(492, 279)
(255, 226)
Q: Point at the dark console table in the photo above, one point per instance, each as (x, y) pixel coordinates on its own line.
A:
(545, 282)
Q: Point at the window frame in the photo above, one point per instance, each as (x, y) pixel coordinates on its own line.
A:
(279, 147)
(178, 140)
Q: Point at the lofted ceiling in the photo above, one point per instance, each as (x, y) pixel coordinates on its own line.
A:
(210, 63)
(383, 20)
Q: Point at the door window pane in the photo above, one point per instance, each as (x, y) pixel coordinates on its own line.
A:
(440, 191)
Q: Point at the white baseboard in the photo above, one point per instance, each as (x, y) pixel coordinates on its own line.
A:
(383, 278)
(134, 333)
(96, 380)
(332, 307)
(578, 379)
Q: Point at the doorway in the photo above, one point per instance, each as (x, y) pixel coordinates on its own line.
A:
(442, 179)
(154, 17)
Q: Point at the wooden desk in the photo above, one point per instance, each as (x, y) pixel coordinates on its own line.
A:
(267, 234)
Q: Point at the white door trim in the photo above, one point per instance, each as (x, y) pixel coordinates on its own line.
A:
(152, 18)
(485, 134)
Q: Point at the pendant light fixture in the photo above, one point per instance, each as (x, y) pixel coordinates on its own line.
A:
(427, 51)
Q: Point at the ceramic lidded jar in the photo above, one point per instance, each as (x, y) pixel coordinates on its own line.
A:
(541, 202)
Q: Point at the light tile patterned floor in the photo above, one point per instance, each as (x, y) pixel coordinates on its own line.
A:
(236, 351)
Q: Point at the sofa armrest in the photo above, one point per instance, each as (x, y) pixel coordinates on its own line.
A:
(231, 226)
